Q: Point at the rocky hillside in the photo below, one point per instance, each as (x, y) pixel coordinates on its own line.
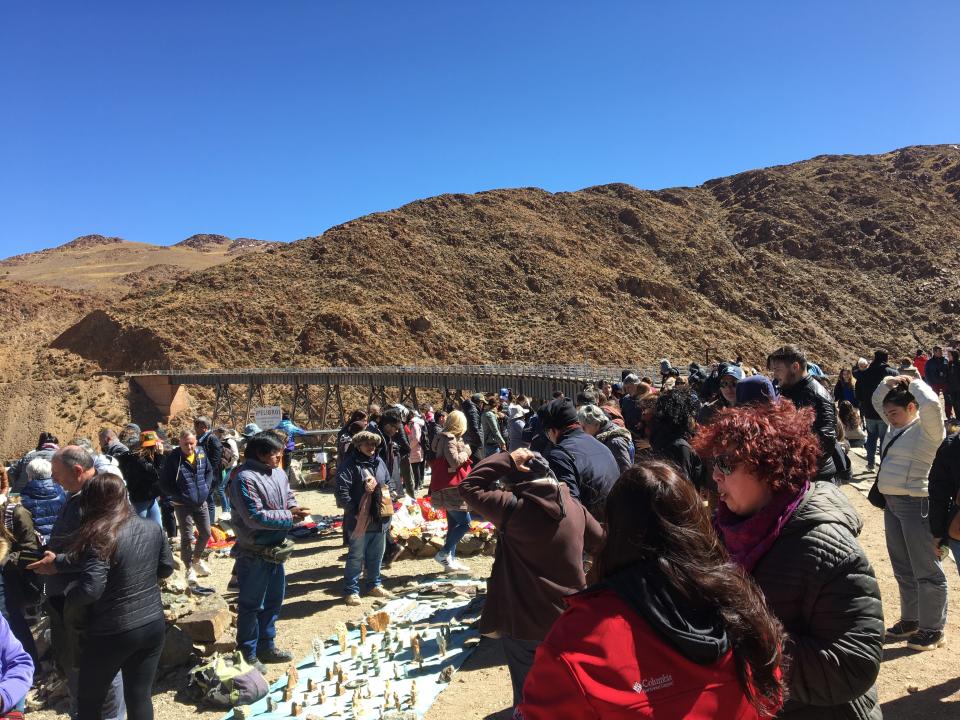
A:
(112, 266)
(838, 253)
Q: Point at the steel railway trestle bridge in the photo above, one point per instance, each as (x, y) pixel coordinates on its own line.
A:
(316, 392)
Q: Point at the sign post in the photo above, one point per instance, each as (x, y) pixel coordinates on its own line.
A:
(267, 417)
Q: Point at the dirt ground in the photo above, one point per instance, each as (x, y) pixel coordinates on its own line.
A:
(481, 689)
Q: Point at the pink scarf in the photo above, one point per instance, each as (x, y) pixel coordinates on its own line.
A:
(363, 515)
(749, 538)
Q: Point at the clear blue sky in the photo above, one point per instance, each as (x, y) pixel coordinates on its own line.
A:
(276, 120)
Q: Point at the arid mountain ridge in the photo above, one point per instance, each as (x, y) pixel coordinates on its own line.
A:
(838, 253)
(98, 264)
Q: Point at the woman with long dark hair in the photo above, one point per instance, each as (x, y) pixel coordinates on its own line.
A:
(846, 388)
(852, 425)
(797, 538)
(120, 557)
(710, 648)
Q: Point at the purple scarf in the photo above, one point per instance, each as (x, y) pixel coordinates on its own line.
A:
(749, 538)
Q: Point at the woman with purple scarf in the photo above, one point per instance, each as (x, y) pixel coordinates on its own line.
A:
(797, 539)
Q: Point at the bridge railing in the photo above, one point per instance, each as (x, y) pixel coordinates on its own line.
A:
(559, 372)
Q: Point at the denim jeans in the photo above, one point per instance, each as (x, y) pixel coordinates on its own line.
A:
(458, 523)
(219, 494)
(365, 551)
(149, 511)
(260, 594)
(876, 431)
(917, 568)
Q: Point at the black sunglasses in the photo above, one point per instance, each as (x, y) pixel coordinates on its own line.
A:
(722, 463)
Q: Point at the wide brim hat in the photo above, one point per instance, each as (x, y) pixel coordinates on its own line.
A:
(515, 411)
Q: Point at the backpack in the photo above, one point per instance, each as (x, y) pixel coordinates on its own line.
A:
(225, 681)
(227, 457)
(842, 464)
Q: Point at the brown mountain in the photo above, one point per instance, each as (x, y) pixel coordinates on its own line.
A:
(838, 253)
(113, 266)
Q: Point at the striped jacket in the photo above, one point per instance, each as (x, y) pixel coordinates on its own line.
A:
(261, 499)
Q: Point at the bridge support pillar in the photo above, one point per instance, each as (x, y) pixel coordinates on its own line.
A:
(168, 398)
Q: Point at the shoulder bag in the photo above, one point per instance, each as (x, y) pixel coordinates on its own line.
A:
(875, 497)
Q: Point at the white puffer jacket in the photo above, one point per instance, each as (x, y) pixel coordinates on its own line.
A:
(906, 466)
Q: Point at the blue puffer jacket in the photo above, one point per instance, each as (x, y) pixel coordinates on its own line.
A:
(187, 484)
(43, 498)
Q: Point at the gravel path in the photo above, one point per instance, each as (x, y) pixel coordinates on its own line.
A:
(482, 688)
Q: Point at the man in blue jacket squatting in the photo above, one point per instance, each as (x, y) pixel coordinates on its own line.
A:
(264, 512)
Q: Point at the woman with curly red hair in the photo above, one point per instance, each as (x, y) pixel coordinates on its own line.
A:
(797, 538)
(673, 629)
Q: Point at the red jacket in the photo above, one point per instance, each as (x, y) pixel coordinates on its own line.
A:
(602, 660)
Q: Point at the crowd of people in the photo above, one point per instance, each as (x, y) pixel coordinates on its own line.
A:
(674, 548)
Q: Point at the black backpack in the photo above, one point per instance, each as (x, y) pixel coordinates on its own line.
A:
(842, 463)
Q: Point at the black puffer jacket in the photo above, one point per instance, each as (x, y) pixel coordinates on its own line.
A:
(867, 381)
(142, 476)
(474, 434)
(810, 393)
(819, 583)
(943, 486)
(124, 594)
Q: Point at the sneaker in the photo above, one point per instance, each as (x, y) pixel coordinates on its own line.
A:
(273, 655)
(902, 629)
(202, 569)
(926, 640)
(442, 558)
(191, 576)
(454, 565)
(380, 591)
(353, 599)
(871, 468)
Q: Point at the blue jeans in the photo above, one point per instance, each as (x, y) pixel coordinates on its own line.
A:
(876, 431)
(220, 494)
(917, 568)
(458, 523)
(261, 589)
(149, 511)
(365, 551)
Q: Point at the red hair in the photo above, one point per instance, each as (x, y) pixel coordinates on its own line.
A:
(775, 440)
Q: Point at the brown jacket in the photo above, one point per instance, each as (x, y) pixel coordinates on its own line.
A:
(539, 557)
